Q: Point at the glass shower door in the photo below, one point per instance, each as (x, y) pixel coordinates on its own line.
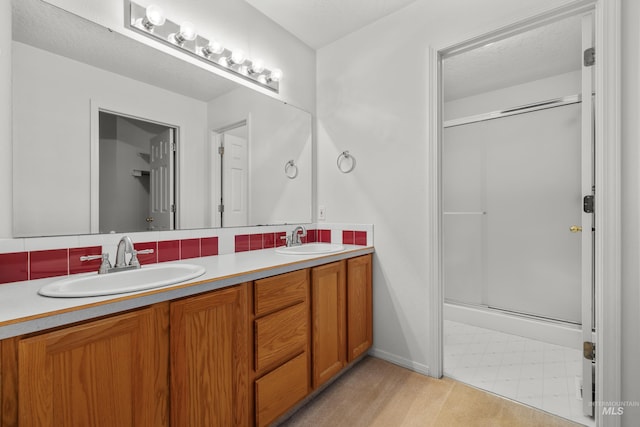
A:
(512, 189)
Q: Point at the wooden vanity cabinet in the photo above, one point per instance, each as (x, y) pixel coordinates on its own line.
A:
(237, 356)
(359, 306)
(106, 372)
(210, 359)
(341, 310)
(281, 344)
(329, 320)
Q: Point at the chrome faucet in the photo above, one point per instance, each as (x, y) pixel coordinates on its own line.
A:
(296, 234)
(125, 246)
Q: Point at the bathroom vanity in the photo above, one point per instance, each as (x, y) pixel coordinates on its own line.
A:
(240, 346)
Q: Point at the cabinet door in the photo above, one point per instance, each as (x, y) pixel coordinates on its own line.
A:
(109, 372)
(359, 306)
(209, 359)
(328, 288)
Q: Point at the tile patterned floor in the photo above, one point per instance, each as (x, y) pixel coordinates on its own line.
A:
(535, 373)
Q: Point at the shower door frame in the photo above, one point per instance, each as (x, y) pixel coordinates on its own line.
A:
(607, 178)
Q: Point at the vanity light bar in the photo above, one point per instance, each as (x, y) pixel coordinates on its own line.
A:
(151, 22)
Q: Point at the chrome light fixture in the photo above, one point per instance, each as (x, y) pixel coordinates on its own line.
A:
(151, 22)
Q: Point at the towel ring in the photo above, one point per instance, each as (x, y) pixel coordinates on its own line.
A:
(291, 169)
(346, 156)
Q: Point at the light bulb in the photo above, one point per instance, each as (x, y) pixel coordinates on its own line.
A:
(154, 16)
(237, 57)
(257, 67)
(187, 31)
(262, 79)
(276, 75)
(223, 61)
(211, 48)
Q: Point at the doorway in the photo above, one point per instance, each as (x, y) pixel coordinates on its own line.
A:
(517, 171)
(136, 174)
(230, 175)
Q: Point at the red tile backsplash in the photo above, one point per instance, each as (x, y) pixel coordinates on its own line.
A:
(168, 250)
(77, 266)
(189, 248)
(151, 258)
(20, 266)
(255, 242)
(14, 267)
(268, 240)
(312, 236)
(242, 243)
(208, 246)
(360, 238)
(324, 236)
(49, 263)
(279, 239)
(348, 237)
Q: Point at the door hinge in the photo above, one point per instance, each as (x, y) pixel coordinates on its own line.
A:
(589, 350)
(590, 57)
(221, 208)
(173, 147)
(173, 208)
(588, 204)
(221, 150)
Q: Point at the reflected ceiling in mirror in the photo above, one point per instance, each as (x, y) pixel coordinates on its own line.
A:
(66, 70)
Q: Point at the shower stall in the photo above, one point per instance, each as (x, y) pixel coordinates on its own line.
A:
(511, 193)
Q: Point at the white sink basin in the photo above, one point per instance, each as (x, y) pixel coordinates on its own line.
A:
(147, 277)
(310, 249)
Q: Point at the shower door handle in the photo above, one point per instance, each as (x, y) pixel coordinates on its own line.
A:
(575, 229)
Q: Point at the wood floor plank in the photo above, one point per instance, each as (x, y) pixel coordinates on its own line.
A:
(376, 393)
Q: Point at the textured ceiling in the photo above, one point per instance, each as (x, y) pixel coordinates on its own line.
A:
(47, 27)
(320, 22)
(543, 52)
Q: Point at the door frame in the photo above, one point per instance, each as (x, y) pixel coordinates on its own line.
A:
(216, 167)
(96, 106)
(608, 198)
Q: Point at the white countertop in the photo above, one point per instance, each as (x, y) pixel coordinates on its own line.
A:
(23, 310)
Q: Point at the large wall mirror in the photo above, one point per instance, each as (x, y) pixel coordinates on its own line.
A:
(112, 135)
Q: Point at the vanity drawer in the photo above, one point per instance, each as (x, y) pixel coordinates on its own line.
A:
(280, 336)
(274, 293)
(279, 390)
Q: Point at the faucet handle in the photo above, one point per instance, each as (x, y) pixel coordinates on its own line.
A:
(287, 240)
(106, 264)
(91, 257)
(134, 256)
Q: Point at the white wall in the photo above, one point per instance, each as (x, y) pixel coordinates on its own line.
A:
(372, 100)
(6, 179)
(51, 137)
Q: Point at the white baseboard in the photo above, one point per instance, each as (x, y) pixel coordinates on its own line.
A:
(400, 361)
